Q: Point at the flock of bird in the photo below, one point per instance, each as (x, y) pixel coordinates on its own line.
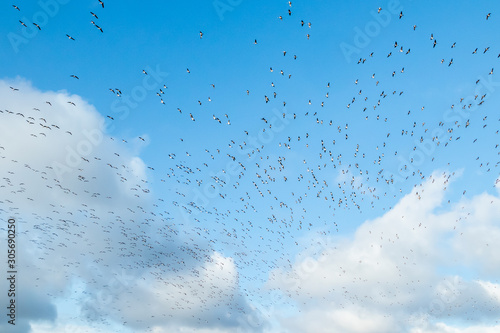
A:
(317, 165)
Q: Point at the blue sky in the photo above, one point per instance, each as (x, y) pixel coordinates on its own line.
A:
(361, 197)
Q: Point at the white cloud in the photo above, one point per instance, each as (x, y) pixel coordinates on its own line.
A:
(351, 319)
(443, 328)
(422, 263)
(399, 267)
(493, 289)
(90, 241)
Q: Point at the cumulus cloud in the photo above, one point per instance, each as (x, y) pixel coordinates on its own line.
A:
(419, 264)
(96, 247)
(90, 243)
(443, 328)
